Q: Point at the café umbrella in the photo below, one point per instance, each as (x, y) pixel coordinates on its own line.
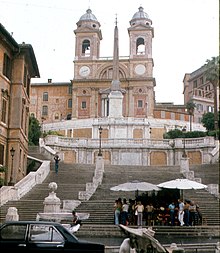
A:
(182, 184)
(135, 186)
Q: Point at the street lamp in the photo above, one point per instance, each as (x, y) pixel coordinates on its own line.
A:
(100, 141)
(184, 143)
(42, 126)
(12, 152)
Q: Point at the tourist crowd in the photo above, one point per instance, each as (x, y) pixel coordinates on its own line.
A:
(175, 213)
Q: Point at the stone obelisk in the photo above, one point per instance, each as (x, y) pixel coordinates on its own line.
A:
(115, 96)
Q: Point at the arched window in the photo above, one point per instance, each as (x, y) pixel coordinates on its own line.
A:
(140, 47)
(56, 117)
(86, 48)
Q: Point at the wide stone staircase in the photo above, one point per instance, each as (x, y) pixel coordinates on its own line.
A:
(100, 206)
(210, 173)
(72, 178)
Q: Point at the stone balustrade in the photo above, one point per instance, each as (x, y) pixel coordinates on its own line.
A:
(17, 191)
(120, 142)
(96, 180)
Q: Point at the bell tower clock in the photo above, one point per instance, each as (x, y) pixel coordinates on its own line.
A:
(87, 45)
(141, 34)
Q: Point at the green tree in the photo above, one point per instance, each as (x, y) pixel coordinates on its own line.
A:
(212, 75)
(208, 121)
(34, 131)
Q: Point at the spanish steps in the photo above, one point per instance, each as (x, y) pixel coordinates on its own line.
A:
(72, 178)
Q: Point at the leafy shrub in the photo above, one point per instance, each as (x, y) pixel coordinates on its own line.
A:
(50, 132)
(173, 134)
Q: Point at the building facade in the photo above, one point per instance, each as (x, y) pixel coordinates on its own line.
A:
(17, 66)
(201, 92)
(93, 75)
(51, 102)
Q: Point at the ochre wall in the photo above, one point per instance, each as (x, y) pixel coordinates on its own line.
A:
(195, 157)
(69, 156)
(158, 158)
(82, 133)
(138, 133)
(157, 133)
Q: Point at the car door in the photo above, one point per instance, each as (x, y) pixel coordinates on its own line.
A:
(13, 237)
(44, 238)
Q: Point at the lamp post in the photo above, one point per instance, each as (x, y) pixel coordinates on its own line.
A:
(42, 126)
(12, 152)
(184, 143)
(100, 141)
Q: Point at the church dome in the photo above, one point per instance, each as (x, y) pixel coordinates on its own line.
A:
(88, 20)
(88, 16)
(140, 17)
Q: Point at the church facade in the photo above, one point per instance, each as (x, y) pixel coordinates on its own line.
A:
(113, 103)
(93, 75)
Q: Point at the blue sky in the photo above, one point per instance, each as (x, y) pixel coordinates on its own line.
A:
(186, 34)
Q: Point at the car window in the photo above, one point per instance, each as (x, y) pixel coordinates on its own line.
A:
(13, 232)
(45, 233)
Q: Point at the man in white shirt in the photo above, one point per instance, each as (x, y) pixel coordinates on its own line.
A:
(181, 212)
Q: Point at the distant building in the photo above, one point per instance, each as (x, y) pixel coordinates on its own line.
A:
(200, 91)
(17, 66)
(51, 102)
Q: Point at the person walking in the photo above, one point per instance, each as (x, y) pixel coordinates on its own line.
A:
(181, 212)
(172, 213)
(117, 210)
(56, 159)
(140, 208)
(186, 212)
(149, 214)
(124, 212)
(192, 213)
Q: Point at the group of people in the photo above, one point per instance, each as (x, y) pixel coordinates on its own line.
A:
(189, 213)
(177, 213)
(128, 212)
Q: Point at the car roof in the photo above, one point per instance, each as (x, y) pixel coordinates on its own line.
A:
(31, 222)
(56, 224)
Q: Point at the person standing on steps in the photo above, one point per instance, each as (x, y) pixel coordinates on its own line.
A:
(181, 212)
(140, 209)
(172, 212)
(57, 159)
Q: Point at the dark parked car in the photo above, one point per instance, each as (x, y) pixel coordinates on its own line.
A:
(40, 236)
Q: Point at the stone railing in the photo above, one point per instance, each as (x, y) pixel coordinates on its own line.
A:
(109, 143)
(189, 174)
(96, 181)
(17, 191)
(215, 152)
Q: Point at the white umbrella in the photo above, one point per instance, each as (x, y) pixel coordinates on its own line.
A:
(182, 184)
(135, 186)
